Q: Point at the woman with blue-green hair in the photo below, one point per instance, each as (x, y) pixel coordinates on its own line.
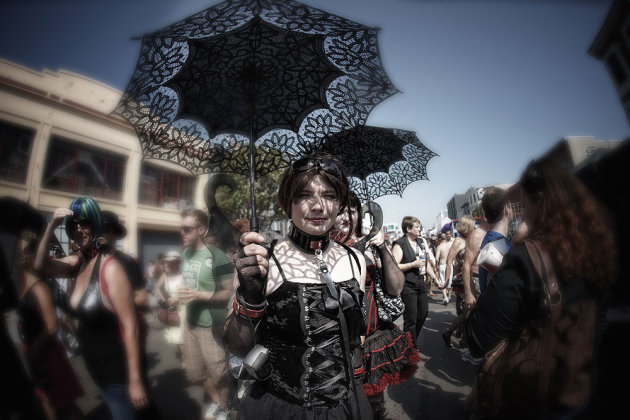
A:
(101, 300)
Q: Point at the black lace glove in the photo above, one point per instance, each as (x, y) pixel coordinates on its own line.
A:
(250, 277)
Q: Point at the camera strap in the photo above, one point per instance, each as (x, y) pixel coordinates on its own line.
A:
(323, 268)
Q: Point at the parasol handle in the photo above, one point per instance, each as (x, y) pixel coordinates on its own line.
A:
(376, 214)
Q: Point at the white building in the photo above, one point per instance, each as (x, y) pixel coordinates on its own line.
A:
(59, 141)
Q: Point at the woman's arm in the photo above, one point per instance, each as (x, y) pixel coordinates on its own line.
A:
(63, 267)
(362, 267)
(121, 300)
(398, 256)
(252, 266)
(49, 316)
(393, 277)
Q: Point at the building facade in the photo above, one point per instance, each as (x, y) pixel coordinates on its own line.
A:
(59, 141)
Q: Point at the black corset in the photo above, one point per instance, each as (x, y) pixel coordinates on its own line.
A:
(305, 344)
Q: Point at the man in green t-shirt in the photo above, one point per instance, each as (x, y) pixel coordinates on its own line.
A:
(207, 288)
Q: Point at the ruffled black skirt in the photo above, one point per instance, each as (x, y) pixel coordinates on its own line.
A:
(389, 358)
(259, 404)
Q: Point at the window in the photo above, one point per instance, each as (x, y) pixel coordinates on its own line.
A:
(163, 188)
(15, 149)
(82, 170)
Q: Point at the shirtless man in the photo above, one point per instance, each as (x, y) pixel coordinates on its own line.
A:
(470, 270)
(444, 282)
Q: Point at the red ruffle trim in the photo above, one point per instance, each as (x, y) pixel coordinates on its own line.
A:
(394, 379)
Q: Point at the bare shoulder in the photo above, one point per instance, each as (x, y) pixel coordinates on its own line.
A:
(113, 271)
(459, 243)
(476, 237)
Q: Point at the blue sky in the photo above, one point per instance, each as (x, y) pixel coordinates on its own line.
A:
(487, 85)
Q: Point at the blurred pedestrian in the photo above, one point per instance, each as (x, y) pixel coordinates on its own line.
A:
(55, 382)
(415, 259)
(542, 303)
(208, 276)
(444, 281)
(167, 292)
(101, 300)
(454, 268)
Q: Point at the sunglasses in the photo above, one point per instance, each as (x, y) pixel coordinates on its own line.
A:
(327, 165)
(187, 229)
(83, 223)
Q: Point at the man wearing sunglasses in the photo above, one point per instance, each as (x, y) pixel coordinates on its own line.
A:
(207, 274)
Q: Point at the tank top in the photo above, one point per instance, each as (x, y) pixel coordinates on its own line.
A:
(99, 334)
(412, 276)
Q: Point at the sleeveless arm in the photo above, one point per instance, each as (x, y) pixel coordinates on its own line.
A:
(393, 277)
(118, 288)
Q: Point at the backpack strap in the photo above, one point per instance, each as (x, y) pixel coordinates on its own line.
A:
(547, 275)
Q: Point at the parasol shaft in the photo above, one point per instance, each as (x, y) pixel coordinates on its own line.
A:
(253, 222)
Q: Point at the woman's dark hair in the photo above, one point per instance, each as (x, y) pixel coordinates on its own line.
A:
(303, 170)
(571, 224)
(355, 203)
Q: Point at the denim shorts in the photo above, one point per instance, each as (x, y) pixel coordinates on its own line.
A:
(116, 396)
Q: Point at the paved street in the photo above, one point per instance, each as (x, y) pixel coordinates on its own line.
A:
(436, 392)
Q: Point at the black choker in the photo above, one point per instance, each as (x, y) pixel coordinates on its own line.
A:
(308, 243)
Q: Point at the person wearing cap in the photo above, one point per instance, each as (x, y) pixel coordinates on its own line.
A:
(113, 230)
(166, 291)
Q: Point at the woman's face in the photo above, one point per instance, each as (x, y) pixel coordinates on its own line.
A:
(82, 233)
(315, 208)
(342, 222)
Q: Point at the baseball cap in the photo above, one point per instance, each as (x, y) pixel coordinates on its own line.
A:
(172, 256)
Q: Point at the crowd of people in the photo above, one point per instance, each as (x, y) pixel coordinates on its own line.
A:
(305, 326)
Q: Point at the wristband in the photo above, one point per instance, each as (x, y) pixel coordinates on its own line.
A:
(247, 309)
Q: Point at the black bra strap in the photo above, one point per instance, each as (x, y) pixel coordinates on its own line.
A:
(352, 255)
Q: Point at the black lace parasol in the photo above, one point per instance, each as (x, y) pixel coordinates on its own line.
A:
(279, 73)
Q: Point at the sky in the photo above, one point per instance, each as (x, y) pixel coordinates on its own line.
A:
(487, 85)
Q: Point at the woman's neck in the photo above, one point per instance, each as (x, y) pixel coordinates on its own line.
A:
(306, 242)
